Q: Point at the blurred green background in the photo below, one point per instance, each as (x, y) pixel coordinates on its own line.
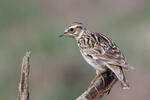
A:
(58, 71)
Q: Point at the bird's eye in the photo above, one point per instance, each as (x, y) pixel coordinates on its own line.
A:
(71, 29)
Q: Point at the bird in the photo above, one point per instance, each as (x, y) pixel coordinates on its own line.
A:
(99, 51)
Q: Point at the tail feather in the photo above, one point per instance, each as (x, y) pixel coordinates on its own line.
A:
(118, 71)
(124, 84)
(127, 66)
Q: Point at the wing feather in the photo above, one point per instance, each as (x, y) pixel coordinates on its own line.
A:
(104, 49)
(109, 52)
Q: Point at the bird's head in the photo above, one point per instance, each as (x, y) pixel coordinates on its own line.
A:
(75, 30)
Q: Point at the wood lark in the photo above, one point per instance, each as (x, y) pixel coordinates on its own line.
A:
(99, 51)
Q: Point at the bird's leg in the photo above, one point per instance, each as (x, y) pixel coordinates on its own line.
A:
(103, 80)
(94, 79)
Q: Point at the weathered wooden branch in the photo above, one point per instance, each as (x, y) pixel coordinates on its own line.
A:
(101, 87)
(24, 79)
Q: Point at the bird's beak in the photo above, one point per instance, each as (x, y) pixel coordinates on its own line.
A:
(64, 34)
(61, 35)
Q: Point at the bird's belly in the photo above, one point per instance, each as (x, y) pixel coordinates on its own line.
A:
(94, 63)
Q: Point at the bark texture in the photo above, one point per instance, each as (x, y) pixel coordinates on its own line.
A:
(100, 88)
(24, 79)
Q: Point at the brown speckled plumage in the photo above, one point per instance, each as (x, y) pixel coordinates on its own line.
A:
(99, 51)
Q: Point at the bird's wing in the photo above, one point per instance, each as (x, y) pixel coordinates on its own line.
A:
(109, 52)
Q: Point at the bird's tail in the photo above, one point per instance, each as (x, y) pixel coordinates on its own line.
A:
(118, 71)
(124, 82)
(127, 66)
